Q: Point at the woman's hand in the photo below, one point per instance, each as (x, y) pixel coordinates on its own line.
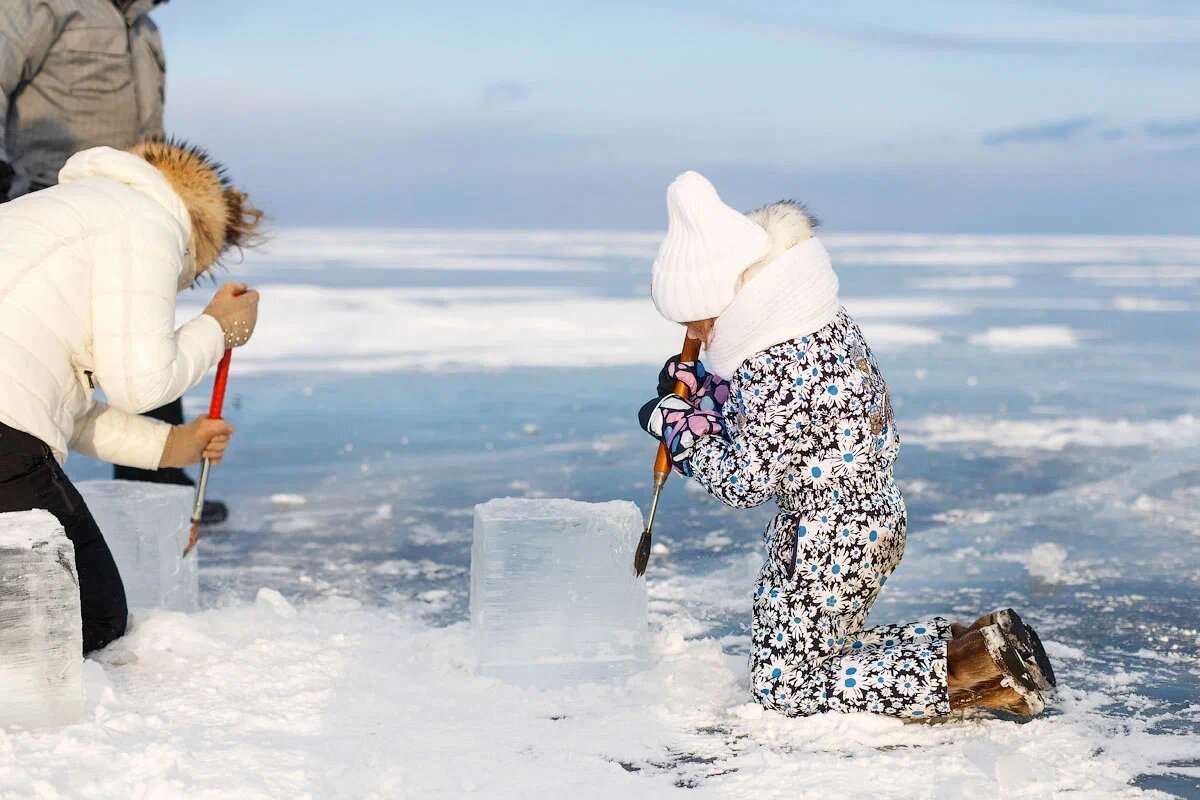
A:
(235, 308)
(201, 438)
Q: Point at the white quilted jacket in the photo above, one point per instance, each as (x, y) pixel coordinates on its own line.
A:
(89, 270)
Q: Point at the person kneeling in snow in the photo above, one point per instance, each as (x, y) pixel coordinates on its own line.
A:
(89, 270)
(805, 418)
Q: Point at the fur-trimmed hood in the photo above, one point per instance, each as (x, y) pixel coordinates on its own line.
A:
(216, 215)
(134, 172)
(221, 215)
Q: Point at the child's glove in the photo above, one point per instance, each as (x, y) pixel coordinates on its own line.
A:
(705, 390)
(678, 424)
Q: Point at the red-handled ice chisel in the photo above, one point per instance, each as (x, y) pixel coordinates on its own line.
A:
(662, 466)
(214, 412)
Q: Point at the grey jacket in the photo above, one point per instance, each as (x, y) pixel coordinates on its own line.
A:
(74, 74)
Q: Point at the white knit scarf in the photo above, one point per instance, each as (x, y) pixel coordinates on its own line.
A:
(794, 295)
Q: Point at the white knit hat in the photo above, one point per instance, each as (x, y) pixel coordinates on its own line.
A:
(707, 248)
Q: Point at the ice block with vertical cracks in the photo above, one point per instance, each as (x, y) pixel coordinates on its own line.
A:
(41, 632)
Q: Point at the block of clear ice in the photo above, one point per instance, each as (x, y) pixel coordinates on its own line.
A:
(146, 526)
(554, 599)
(41, 632)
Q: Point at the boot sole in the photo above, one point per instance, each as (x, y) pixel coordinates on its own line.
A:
(1029, 646)
(1017, 675)
(1041, 659)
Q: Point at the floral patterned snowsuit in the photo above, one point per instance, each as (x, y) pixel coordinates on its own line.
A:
(810, 423)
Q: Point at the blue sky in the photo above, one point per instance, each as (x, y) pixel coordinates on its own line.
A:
(921, 116)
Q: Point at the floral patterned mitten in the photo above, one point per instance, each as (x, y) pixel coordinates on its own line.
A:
(706, 390)
(679, 425)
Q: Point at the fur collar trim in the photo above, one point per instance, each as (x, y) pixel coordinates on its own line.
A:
(200, 185)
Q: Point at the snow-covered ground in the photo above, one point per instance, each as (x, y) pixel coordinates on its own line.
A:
(1046, 389)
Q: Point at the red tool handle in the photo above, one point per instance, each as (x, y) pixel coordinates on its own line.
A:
(662, 464)
(214, 412)
(218, 396)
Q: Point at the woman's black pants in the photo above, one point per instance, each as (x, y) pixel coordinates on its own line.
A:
(31, 478)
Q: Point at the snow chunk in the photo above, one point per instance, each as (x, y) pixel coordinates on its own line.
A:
(1027, 337)
(1047, 562)
(1054, 434)
(902, 307)
(1151, 304)
(1063, 651)
(1160, 275)
(965, 282)
(887, 336)
(275, 602)
(963, 516)
(715, 540)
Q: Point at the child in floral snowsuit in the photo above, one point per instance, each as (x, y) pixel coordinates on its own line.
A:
(805, 419)
(808, 422)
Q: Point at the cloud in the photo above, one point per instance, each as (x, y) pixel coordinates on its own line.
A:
(1159, 8)
(1063, 30)
(1092, 125)
(1056, 131)
(1173, 129)
(943, 41)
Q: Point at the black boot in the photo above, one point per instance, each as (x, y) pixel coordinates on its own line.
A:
(214, 513)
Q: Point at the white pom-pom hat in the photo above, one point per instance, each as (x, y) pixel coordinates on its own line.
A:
(765, 277)
(708, 247)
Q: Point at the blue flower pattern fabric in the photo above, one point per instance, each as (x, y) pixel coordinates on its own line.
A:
(809, 423)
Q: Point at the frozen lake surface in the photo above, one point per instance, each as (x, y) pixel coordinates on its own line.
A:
(1046, 391)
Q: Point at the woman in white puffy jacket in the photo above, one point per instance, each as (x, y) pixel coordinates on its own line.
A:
(89, 271)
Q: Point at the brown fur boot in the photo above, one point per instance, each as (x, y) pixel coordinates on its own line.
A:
(1029, 644)
(985, 671)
